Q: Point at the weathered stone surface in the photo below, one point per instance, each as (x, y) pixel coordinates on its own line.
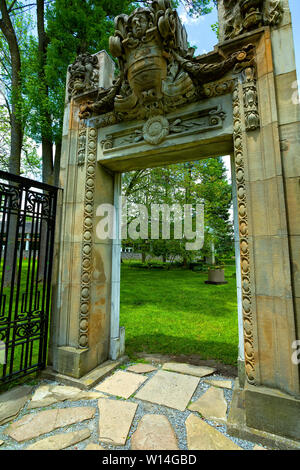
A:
(122, 384)
(34, 425)
(169, 389)
(141, 368)
(12, 402)
(115, 420)
(212, 405)
(188, 369)
(219, 383)
(202, 436)
(47, 395)
(93, 446)
(154, 432)
(61, 441)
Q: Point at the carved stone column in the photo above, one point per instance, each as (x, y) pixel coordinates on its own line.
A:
(82, 280)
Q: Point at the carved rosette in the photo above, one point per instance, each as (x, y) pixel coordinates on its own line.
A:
(87, 258)
(156, 129)
(244, 237)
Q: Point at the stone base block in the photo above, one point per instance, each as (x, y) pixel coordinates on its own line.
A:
(272, 411)
(87, 381)
(238, 426)
(78, 362)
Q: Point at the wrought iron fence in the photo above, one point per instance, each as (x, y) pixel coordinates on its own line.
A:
(27, 225)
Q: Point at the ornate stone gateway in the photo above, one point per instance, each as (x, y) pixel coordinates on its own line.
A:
(167, 106)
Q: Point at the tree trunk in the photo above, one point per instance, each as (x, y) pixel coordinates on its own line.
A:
(46, 120)
(8, 31)
(16, 138)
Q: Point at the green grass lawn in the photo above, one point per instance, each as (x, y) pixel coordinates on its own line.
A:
(175, 312)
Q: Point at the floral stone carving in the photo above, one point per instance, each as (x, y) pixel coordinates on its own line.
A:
(241, 16)
(158, 70)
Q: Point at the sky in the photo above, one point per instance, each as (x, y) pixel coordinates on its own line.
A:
(200, 34)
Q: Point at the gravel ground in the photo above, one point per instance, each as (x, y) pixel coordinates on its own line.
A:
(176, 418)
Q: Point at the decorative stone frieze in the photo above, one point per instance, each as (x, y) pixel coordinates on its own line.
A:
(241, 16)
(158, 71)
(244, 234)
(87, 247)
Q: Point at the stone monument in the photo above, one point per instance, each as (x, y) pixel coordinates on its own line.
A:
(165, 106)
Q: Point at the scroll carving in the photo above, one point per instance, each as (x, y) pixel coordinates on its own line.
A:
(247, 302)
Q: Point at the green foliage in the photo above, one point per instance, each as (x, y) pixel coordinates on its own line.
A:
(193, 183)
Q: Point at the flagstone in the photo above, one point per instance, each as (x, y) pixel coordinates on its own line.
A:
(202, 436)
(93, 446)
(169, 389)
(35, 424)
(197, 371)
(154, 432)
(12, 402)
(61, 441)
(219, 383)
(211, 405)
(47, 395)
(141, 368)
(1, 443)
(257, 447)
(121, 384)
(116, 417)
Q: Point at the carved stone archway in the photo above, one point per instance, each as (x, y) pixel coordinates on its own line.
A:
(164, 107)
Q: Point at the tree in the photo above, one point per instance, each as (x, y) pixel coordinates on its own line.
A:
(8, 30)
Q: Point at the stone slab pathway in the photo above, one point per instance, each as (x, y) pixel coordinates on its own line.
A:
(121, 384)
(212, 405)
(169, 389)
(141, 368)
(197, 371)
(115, 420)
(61, 441)
(35, 425)
(154, 432)
(202, 436)
(126, 411)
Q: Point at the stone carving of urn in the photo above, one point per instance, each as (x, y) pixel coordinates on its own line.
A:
(147, 68)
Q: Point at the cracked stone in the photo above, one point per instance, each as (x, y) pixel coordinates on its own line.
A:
(61, 441)
(34, 425)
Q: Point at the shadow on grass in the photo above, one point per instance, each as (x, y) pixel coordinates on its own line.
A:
(174, 345)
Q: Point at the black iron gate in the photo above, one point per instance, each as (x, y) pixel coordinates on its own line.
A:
(27, 224)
